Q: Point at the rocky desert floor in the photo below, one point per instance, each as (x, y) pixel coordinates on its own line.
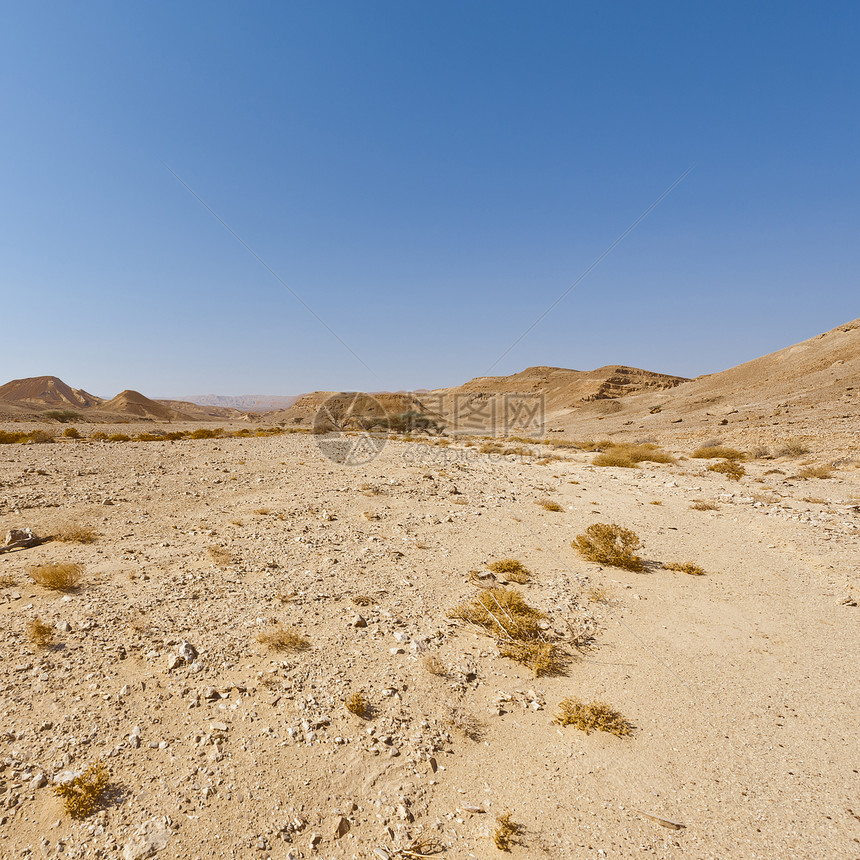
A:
(742, 685)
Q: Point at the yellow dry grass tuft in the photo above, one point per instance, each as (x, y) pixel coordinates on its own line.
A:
(511, 569)
(74, 533)
(717, 452)
(549, 505)
(220, 556)
(7, 580)
(84, 794)
(280, 638)
(609, 543)
(629, 455)
(733, 470)
(39, 632)
(60, 576)
(685, 567)
(518, 628)
(507, 832)
(434, 666)
(591, 716)
(816, 472)
(702, 505)
(357, 704)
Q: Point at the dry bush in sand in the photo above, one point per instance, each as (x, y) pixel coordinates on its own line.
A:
(599, 594)
(61, 576)
(72, 433)
(627, 456)
(516, 626)
(549, 505)
(816, 472)
(717, 452)
(591, 716)
(491, 448)
(466, 724)
(39, 632)
(280, 638)
(74, 533)
(434, 666)
(7, 580)
(685, 567)
(357, 704)
(363, 600)
(702, 505)
(507, 832)
(608, 543)
(220, 556)
(511, 569)
(84, 794)
(732, 470)
(792, 448)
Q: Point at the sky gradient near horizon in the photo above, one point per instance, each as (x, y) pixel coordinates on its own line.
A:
(429, 178)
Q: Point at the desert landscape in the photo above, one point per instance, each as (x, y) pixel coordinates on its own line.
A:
(631, 633)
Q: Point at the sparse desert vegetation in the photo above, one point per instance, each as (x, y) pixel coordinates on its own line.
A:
(82, 795)
(59, 576)
(685, 567)
(609, 543)
(277, 637)
(730, 468)
(512, 569)
(592, 716)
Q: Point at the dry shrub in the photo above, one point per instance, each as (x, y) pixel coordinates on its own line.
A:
(512, 569)
(220, 556)
(466, 724)
(702, 505)
(262, 512)
(816, 472)
(83, 795)
(39, 632)
(491, 448)
(608, 543)
(503, 614)
(434, 666)
(99, 436)
(685, 567)
(792, 448)
(591, 716)
(74, 533)
(542, 658)
(61, 576)
(732, 470)
(119, 437)
(549, 505)
(7, 580)
(280, 638)
(11, 438)
(206, 433)
(627, 456)
(363, 600)
(357, 704)
(72, 433)
(717, 452)
(599, 594)
(507, 832)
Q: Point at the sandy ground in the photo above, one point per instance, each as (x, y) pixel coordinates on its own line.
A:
(742, 684)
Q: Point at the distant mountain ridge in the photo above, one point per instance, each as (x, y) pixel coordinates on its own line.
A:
(244, 402)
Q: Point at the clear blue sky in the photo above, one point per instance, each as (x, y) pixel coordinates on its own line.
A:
(429, 177)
